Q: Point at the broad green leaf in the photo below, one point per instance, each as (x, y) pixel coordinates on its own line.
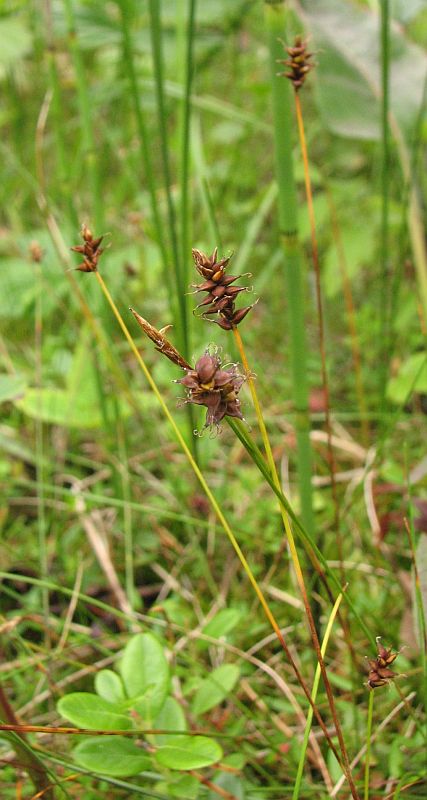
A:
(87, 710)
(170, 718)
(228, 783)
(109, 686)
(112, 755)
(11, 387)
(187, 787)
(348, 74)
(59, 407)
(412, 377)
(221, 624)
(188, 752)
(214, 689)
(145, 674)
(15, 42)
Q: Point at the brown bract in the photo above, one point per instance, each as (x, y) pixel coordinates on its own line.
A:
(221, 295)
(163, 345)
(90, 249)
(299, 63)
(379, 668)
(217, 389)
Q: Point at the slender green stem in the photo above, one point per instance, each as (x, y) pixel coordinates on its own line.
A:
(41, 514)
(156, 43)
(331, 620)
(185, 141)
(144, 149)
(85, 113)
(295, 560)
(384, 333)
(276, 16)
(127, 511)
(321, 325)
(316, 556)
(368, 743)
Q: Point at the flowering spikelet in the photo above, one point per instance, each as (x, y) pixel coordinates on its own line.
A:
(299, 63)
(90, 250)
(221, 295)
(379, 668)
(217, 389)
(206, 384)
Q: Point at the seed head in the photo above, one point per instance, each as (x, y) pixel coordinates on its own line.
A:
(90, 250)
(379, 667)
(299, 63)
(219, 302)
(217, 389)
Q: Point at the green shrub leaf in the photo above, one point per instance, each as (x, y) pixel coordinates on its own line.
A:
(109, 686)
(215, 688)
(187, 752)
(170, 718)
(87, 710)
(145, 674)
(112, 755)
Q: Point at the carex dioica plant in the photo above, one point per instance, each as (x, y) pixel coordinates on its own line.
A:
(217, 387)
(220, 303)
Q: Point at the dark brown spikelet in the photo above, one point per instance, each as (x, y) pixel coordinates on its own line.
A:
(299, 63)
(379, 668)
(90, 250)
(216, 388)
(219, 302)
(163, 345)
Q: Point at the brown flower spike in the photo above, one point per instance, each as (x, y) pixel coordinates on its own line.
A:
(217, 389)
(207, 384)
(90, 250)
(299, 63)
(221, 295)
(379, 668)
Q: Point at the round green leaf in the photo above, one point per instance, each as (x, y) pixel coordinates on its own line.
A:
(170, 718)
(87, 710)
(145, 674)
(111, 755)
(214, 689)
(221, 624)
(109, 686)
(188, 752)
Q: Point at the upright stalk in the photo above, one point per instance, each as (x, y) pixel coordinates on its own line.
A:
(385, 194)
(85, 113)
(41, 515)
(156, 43)
(297, 787)
(321, 325)
(295, 560)
(276, 15)
(368, 744)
